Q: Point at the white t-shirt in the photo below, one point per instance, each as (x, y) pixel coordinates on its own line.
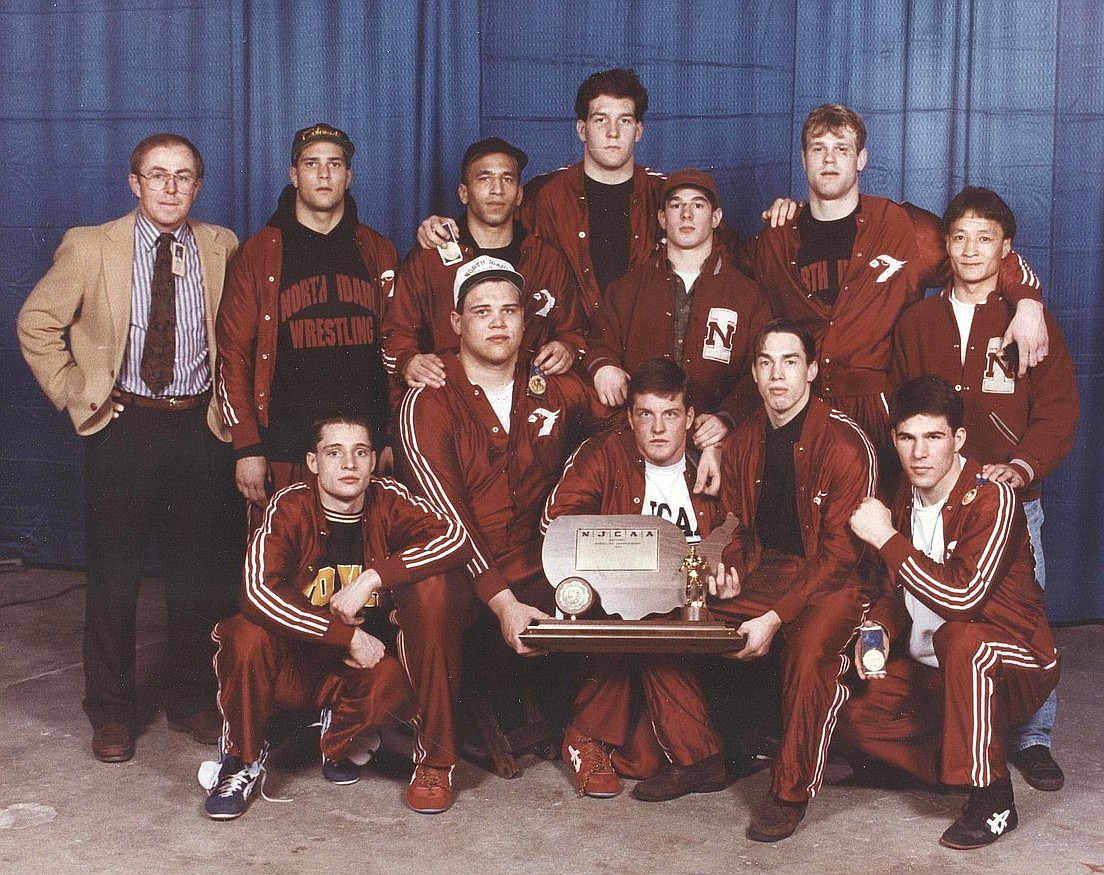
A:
(688, 280)
(501, 404)
(667, 495)
(964, 316)
(927, 537)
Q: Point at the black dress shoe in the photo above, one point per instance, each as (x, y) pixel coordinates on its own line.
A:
(1039, 768)
(673, 781)
(112, 743)
(988, 814)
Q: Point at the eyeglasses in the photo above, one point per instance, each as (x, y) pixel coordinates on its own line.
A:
(157, 180)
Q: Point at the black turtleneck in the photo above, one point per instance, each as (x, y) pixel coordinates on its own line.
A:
(776, 520)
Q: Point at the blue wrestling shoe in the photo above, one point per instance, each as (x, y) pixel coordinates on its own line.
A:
(236, 782)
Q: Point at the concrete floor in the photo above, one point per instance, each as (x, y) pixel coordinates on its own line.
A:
(61, 811)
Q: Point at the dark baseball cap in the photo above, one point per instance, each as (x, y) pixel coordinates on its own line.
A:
(321, 131)
(694, 178)
(493, 146)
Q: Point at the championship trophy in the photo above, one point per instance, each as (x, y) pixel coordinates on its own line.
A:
(625, 584)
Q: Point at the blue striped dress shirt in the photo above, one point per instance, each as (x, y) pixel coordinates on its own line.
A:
(191, 370)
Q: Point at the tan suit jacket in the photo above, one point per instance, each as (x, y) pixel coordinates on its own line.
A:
(87, 292)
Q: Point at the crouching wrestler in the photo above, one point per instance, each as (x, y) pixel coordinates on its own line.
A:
(326, 549)
(961, 599)
(643, 469)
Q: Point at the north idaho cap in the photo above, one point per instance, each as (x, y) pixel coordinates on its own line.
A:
(481, 269)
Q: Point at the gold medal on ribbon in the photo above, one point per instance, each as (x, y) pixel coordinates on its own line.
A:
(538, 383)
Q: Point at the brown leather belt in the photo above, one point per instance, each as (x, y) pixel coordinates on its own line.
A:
(175, 402)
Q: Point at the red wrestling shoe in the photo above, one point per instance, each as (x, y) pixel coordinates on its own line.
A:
(430, 790)
(594, 776)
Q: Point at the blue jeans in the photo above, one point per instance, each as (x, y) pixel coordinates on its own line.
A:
(1036, 729)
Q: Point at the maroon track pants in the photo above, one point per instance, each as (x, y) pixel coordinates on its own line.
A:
(260, 673)
(961, 710)
(815, 656)
(675, 707)
(433, 615)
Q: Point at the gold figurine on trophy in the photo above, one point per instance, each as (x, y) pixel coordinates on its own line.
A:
(694, 607)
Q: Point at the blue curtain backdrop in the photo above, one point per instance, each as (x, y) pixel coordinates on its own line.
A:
(1005, 95)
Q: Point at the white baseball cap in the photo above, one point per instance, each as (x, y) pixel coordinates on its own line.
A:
(484, 268)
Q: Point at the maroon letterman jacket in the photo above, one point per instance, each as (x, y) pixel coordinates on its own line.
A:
(406, 539)
(456, 452)
(1027, 422)
(987, 574)
(835, 468)
(555, 209)
(416, 319)
(249, 318)
(606, 475)
(636, 323)
(899, 251)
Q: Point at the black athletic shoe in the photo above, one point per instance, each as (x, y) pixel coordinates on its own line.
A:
(236, 781)
(341, 771)
(1039, 768)
(988, 814)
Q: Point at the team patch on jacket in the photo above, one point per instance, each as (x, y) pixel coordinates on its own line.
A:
(720, 332)
(999, 377)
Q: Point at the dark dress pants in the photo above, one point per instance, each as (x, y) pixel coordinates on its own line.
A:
(157, 476)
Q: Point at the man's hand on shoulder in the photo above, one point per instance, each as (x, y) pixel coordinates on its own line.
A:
(709, 430)
(432, 233)
(1029, 332)
(555, 357)
(513, 618)
(1001, 472)
(425, 369)
(612, 384)
(250, 476)
(781, 212)
(365, 651)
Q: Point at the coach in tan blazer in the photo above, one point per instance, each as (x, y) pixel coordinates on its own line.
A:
(79, 377)
(120, 333)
